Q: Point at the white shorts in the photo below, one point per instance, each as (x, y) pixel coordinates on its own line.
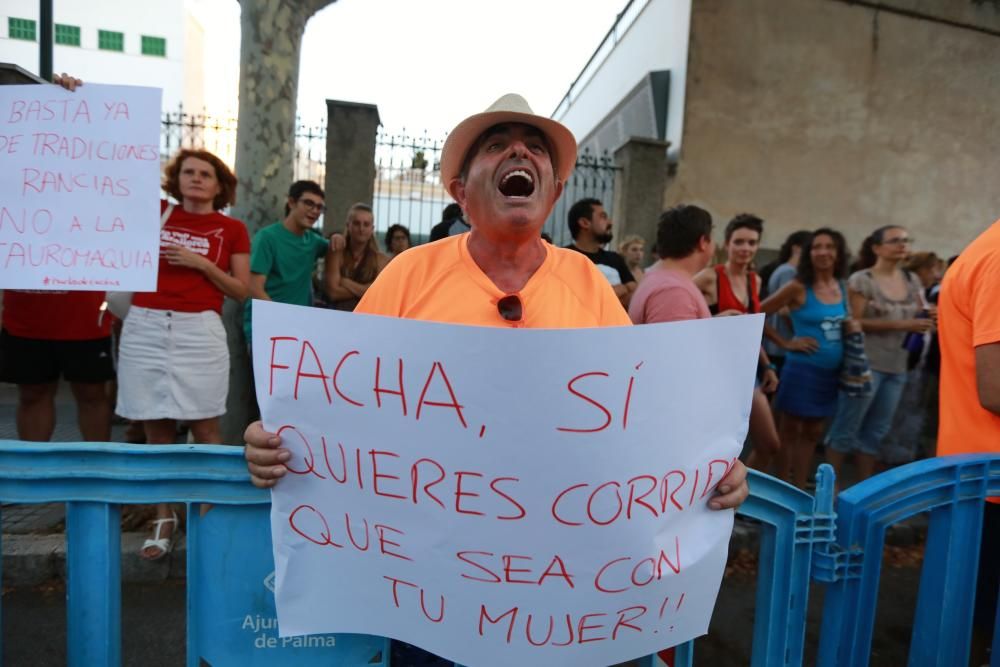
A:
(172, 365)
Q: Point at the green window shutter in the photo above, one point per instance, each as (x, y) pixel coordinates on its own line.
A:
(108, 40)
(68, 35)
(21, 28)
(154, 46)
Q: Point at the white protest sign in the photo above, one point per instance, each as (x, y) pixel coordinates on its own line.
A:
(502, 496)
(80, 193)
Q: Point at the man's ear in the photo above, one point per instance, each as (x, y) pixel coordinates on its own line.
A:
(559, 189)
(292, 202)
(456, 188)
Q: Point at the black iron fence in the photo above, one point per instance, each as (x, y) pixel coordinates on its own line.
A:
(594, 177)
(180, 129)
(407, 188)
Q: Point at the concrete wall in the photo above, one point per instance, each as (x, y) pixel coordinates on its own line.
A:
(657, 39)
(134, 19)
(820, 112)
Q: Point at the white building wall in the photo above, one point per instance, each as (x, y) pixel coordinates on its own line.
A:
(165, 19)
(656, 39)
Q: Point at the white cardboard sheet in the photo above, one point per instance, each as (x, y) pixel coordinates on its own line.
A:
(497, 496)
(80, 192)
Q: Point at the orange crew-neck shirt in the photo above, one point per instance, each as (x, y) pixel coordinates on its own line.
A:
(441, 282)
(969, 316)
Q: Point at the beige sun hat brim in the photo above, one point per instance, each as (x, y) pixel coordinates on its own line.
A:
(511, 108)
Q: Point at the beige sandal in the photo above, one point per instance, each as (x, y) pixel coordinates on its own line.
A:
(163, 544)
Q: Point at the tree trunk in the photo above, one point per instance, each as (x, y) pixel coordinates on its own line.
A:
(270, 44)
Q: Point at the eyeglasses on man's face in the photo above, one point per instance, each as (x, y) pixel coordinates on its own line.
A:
(313, 205)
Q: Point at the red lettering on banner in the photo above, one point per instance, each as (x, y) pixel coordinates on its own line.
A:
(459, 493)
(454, 404)
(336, 374)
(378, 386)
(633, 500)
(376, 475)
(583, 626)
(382, 541)
(622, 622)
(320, 374)
(415, 475)
(343, 461)
(485, 615)
(272, 365)
(520, 508)
(310, 458)
(588, 399)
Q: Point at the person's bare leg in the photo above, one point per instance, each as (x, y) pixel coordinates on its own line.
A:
(160, 432)
(789, 432)
(206, 431)
(866, 465)
(805, 450)
(36, 411)
(763, 433)
(93, 407)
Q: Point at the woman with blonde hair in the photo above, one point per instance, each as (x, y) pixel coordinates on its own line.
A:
(354, 268)
(633, 249)
(174, 359)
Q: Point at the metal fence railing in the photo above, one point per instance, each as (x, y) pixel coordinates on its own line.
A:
(803, 539)
(217, 133)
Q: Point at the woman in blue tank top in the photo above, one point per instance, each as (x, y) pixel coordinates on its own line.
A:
(816, 301)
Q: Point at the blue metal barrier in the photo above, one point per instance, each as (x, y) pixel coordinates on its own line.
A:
(801, 539)
(953, 490)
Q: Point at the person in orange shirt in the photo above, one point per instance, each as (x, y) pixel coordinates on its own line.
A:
(506, 167)
(969, 331)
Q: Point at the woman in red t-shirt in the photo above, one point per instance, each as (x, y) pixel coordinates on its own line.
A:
(734, 289)
(174, 359)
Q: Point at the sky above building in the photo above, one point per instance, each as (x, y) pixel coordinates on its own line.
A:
(426, 64)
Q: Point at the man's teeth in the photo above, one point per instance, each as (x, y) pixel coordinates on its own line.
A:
(518, 172)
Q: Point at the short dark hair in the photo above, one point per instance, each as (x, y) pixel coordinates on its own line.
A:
(744, 221)
(299, 188)
(795, 239)
(680, 229)
(581, 209)
(806, 273)
(451, 211)
(397, 228)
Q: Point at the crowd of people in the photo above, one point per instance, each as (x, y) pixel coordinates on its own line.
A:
(842, 351)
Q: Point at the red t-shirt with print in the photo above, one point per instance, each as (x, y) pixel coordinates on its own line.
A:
(55, 315)
(212, 235)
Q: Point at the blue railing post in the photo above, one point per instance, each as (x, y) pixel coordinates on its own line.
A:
(942, 627)
(93, 590)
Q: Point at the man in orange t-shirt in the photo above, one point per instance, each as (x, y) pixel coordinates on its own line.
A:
(969, 323)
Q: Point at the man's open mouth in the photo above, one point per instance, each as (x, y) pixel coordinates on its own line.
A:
(517, 183)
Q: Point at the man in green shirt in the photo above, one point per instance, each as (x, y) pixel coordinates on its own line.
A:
(284, 254)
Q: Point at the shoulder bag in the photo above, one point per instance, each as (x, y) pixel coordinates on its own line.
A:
(855, 370)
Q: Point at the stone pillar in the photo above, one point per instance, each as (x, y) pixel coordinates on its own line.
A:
(639, 187)
(350, 159)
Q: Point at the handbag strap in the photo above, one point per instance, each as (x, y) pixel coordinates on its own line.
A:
(166, 215)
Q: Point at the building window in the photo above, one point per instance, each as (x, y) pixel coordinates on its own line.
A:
(21, 28)
(154, 46)
(109, 40)
(68, 35)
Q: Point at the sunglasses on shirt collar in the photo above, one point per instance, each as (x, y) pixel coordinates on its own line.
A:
(510, 308)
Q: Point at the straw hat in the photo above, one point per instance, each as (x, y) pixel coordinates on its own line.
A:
(511, 108)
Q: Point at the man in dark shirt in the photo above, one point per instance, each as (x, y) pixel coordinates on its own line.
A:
(452, 223)
(590, 227)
